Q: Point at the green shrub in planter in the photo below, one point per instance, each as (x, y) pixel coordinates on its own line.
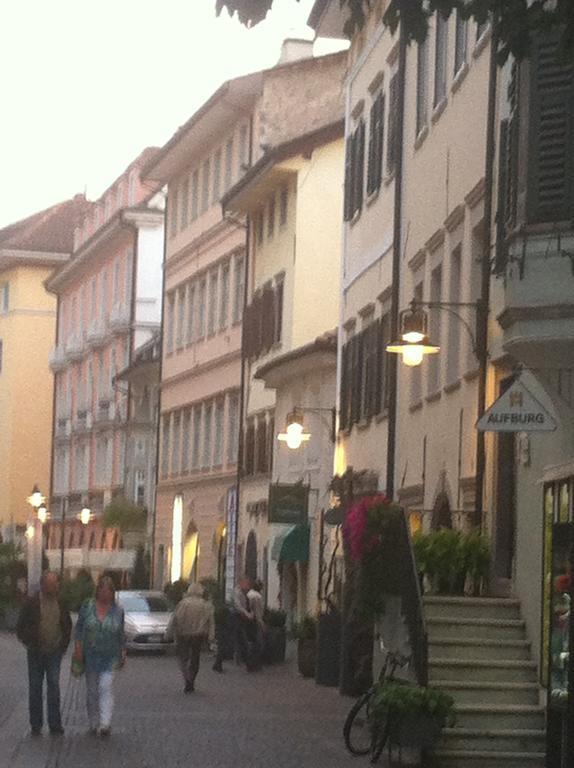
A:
(306, 634)
(451, 560)
(415, 715)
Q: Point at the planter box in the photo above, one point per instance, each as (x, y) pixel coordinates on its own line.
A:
(275, 645)
(328, 649)
(306, 654)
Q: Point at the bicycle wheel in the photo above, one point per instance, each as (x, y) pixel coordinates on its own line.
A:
(357, 731)
(379, 740)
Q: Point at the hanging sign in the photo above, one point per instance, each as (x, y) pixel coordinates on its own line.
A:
(288, 504)
(517, 410)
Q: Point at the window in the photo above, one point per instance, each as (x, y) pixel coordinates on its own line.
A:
(422, 85)
(376, 131)
(238, 288)
(441, 42)
(181, 303)
(115, 286)
(216, 176)
(128, 280)
(481, 29)
(218, 433)
(186, 439)
(435, 316)
(190, 312)
(271, 217)
(113, 370)
(262, 444)
(263, 320)
(461, 41)
(454, 325)
(165, 446)
(89, 384)
(278, 312)
(354, 171)
(170, 322)
(173, 213)
(228, 164)
(103, 295)
(224, 296)
(249, 447)
(212, 306)
(93, 300)
(139, 487)
(259, 227)
(194, 195)
(184, 203)
(232, 427)
(207, 446)
(202, 295)
(196, 442)
(392, 123)
(283, 206)
(206, 173)
(176, 443)
(4, 297)
(122, 459)
(243, 150)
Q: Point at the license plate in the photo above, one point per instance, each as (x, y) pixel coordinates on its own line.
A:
(155, 638)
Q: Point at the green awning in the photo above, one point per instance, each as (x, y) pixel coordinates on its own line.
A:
(292, 546)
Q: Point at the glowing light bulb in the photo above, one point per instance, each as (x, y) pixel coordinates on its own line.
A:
(413, 337)
(42, 513)
(413, 355)
(85, 515)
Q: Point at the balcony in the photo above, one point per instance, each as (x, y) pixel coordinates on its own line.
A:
(97, 334)
(83, 421)
(538, 315)
(74, 348)
(120, 320)
(57, 359)
(63, 428)
(106, 413)
(98, 559)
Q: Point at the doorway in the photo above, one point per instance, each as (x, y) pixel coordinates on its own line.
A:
(505, 523)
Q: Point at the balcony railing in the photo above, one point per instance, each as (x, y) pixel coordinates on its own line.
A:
(57, 359)
(83, 420)
(74, 348)
(106, 412)
(120, 320)
(97, 334)
(63, 427)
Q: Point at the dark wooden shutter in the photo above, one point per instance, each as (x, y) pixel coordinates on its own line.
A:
(550, 194)
(249, 452)
(359, 167)
(344, 420)
(270, 443)
(356, 366)
(267, 317)
(379, 363)
(247, 332)
(380, 133)
(262, 445)
(393, 116)
(372, 150)
(349, 183)
(501, 253)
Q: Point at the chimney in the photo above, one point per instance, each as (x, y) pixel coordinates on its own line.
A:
(294, 48)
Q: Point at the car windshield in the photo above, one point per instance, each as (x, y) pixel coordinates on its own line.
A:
(147, 604)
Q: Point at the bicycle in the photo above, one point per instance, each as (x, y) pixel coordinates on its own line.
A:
(360, 739)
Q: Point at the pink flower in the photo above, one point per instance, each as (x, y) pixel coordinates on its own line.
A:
(354, 528)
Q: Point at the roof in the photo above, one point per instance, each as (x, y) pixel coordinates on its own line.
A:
(325, 343)
(328, 18)
(50, 230)
(229, 99)
(297, 146)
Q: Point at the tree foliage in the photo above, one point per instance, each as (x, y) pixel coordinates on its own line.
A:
(518, 20)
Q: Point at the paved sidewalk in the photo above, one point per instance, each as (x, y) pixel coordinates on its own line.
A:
(273, 719)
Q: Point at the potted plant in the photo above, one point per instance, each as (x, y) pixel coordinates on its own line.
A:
(414, 715)
(452, 562)
(129, 518)
(275, 636)
(305, 632)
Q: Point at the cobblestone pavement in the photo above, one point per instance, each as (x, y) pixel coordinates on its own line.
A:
(235, 720)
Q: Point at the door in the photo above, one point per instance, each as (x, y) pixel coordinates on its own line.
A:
(505, 523)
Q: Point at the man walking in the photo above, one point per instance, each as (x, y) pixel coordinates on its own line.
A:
(245, 622)
(44, 627)
(257, 630)
(191, 624)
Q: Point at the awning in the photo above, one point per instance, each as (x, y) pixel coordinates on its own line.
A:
(292, 545)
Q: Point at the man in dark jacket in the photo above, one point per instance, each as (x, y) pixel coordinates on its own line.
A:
(44, 627)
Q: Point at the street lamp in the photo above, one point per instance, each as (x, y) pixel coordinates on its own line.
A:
(35, 499)
(42, 513)
(85, 515)
(34, 534)
(294, 434)
(414, 343)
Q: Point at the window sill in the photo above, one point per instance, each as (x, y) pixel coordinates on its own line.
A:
(421, 136)
(416, 406)
(482, 42)
(356, 217)
(434, 396)
(363, 424)
(389, 178)
(471, 375)
(438, 110)
(373, 197)
(452, 387)
(382, 416)
(459, 77)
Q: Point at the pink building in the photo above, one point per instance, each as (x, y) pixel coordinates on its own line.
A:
(109, 305)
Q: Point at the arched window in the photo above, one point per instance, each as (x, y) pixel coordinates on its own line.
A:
(441, 516)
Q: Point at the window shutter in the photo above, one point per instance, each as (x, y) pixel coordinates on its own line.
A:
(501, 254)
(379, 363)
(392, 130)
(380, 131)
(356, 364)
(348, 207)
(247, 332)
(344, 414)
(278, 310)
(550, 194)
(359, 167)
(372, 153)
(267, 318)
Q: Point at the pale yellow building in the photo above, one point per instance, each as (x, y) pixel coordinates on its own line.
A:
(29, 252)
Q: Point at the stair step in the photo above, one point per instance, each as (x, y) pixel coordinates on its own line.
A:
(488, 716)
(471, 692)
(483, 670)
(463, 758)
(478, 629)
(456, 648)
(471, 607)
(515, 740)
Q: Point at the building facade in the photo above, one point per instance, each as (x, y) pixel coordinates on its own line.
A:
(109, 305)
(29, 251)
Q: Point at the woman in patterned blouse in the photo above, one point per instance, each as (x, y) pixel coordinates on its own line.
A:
(100, 643)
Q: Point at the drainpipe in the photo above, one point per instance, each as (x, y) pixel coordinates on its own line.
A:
(158, 425)
(396, 268)
(54, 418)
(484, 301)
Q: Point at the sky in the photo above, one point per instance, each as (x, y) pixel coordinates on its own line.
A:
(87, 85)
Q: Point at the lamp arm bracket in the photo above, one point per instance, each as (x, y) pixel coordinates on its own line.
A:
(448, 306)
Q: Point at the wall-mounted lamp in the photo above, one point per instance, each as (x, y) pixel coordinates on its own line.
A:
(414, 342)
(294, 433)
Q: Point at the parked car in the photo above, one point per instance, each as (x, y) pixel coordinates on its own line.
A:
(147, 614)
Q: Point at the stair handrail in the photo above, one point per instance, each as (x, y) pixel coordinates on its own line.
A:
(414, 607)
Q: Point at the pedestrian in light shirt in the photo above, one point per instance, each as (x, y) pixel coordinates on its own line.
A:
(44, 627)
(192, 623)
(100, 645)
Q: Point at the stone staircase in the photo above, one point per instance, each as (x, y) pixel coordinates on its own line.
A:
(478, 652)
